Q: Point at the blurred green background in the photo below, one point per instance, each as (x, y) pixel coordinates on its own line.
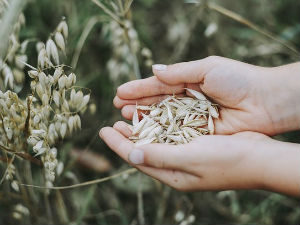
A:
(160, 32)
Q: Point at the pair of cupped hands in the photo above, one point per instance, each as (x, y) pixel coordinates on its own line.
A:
(255, 103)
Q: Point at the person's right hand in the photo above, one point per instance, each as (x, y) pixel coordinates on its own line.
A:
(252, 98)
(245, 160)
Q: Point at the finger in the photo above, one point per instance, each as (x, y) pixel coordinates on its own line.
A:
(156, 155)
(122, 146)
(162, 156)
(195, 87)
(124, 128)
(177, 179)
(127, 111)
(119, 103)
(146, 88)
(116, 142)
(185, 72)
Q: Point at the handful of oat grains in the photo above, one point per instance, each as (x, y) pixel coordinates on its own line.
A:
(175, 120)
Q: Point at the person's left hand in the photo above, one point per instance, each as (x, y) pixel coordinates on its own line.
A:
(208, 163)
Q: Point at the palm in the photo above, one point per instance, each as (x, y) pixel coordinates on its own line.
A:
(239, 107)
(242, 109)
(238, 87)
(188, 166)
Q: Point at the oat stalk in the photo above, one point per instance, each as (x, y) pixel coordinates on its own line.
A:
(108, 12)
(248, 23)
(87, 29)
(87, 183)
(6, 26)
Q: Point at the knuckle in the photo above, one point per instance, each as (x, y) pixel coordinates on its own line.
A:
(162, 88)
(117, 124)
(121, 147)
(176, 67)
(213, 58)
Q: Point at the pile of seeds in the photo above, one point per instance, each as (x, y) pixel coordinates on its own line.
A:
(175, 120)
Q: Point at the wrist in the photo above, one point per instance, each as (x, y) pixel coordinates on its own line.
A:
(281, 91)
(278, 167)
(256, 159)
(249, 172)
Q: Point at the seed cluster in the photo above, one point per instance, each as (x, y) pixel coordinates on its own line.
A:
(46, 116)
(175, 120)
(11, 68)
(125, 44)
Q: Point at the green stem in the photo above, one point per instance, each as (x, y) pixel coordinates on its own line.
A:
(109, 12)
(248, 23)
(10, 18)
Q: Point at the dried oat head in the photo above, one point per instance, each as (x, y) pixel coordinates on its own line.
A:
(175, 120)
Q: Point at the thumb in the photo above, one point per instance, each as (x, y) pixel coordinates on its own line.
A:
(185, 72)
(158, 155)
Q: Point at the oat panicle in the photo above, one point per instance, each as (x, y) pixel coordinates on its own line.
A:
(175, 120)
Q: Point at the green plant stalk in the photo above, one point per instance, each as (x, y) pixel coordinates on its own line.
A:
(127, 6)
(87, 183)
(48, 208)
(61, 209)
(115, 17)
(248, 23)
(162, 205)
(26, 198)
(136, 68)
(9, 162)
(86, 204)
(7, 25)
(87, 29)
(109, 12)
(28, 178)
(140, 202)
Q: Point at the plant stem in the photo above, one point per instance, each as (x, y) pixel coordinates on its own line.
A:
(48, 207)
(248, 23)
(25, 197)
(135, 62)
(96, 181)
(28, 179)
(108, 12)
(7, 25)
(87, 29)
(85, 205)
(61, 208)
(140, 202)
(162, 205)
(22, 155)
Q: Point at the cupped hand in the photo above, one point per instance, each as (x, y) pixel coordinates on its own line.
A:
(250, 96)
(245, 160)
(208, 163)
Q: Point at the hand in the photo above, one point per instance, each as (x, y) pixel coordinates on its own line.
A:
(251, 97)
(244, 160)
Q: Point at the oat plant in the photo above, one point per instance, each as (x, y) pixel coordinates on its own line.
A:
(31, 126)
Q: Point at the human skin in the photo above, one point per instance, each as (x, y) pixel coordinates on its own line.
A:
(251, 98)
(245, 160)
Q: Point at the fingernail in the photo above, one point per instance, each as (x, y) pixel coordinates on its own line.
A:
(136, 156)
(159, 67)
